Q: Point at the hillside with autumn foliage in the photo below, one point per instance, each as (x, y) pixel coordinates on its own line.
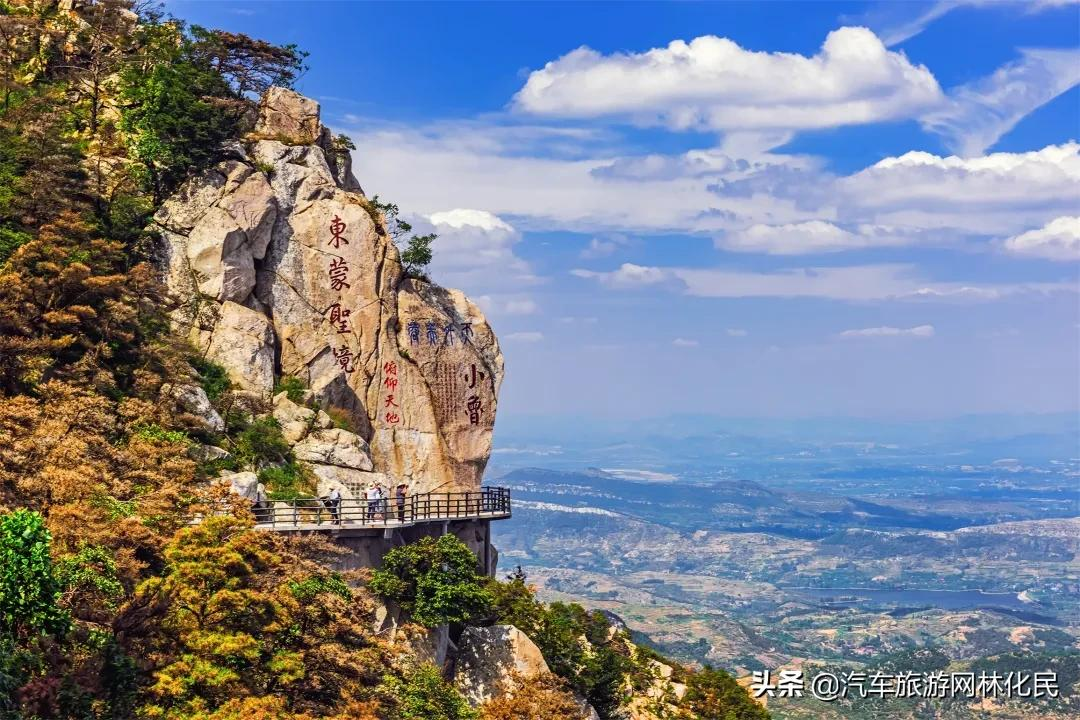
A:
(133, 583)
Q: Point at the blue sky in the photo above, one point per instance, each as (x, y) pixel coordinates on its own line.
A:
(742, 209)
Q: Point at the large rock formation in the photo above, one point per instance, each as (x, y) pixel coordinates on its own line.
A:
(491, 660)
(284, 267)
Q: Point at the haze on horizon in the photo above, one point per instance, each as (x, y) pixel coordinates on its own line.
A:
(778, 210)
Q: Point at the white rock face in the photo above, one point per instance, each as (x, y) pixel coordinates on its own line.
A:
(297, 421)
(290, 272)
(334, 447)
(285, 115)
(243, 342)
(488, 657)
(244, 484)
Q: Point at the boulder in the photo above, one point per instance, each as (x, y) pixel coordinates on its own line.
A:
(297, 421)
(192, 399)
(206, 453)
(432, 645)
(334, 447)
(243, 342)
(489, 657)
(244, 484)
(288, 116)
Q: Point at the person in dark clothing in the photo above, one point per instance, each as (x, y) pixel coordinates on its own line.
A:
(402, 489)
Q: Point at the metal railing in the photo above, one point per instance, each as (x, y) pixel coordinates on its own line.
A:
(321, 513)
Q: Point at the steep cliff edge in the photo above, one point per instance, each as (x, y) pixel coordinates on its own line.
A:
(284, 268)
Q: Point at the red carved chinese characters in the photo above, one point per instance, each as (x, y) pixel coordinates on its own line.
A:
(390, 382)
(337, 230)
(339, 274)
(345, 358)
(339, 317)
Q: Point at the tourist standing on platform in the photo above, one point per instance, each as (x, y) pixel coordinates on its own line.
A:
(402, 489)
(334, 501)
(373, 502)
(380, 501)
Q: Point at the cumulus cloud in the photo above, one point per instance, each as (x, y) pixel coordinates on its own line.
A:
(684, 343)
(977, 114)
(812, 236)
(921, 331)
(737, 332)
(986, 195)
(713, 83)
(1059, 239)
(475, 251)
(529, 336)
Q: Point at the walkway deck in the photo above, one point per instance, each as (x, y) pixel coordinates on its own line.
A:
(490, 503)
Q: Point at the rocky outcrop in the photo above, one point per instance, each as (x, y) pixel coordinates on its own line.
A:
(288, 117)
(192, 399)
(283, 268)
(296, 420)
(334, 447)
(489, 659)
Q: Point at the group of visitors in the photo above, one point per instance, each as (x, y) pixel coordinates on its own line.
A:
(378, 500)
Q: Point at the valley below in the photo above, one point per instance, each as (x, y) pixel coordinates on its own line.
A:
(849, 561)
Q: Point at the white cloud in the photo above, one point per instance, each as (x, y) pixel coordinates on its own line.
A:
(988, 195)
(812, 236)
(530, 336)
(979, 113)
(921, 331)
(475, 251)
(1057, 240)
(856, 283)
(713, 83)
(599, 247)
(684, 343)
(628, 275)
(521, 306)
(737, 332)
(898, 32)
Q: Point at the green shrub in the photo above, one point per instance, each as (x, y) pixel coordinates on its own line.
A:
(341, 419)
(261, 443)
(309, 589)
(91, 571)
(292, 386)
(715, 695)
(425, 695)
(435, 581)
(10, 241)
(29, 590)
(156, 433)
(213, 378)
(290, 481)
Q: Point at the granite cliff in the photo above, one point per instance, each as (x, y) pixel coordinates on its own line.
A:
(284, 268)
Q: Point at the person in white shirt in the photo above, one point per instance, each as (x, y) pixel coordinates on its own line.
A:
(373, 502)
(334, 501)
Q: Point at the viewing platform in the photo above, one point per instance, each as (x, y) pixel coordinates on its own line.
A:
(350, 515)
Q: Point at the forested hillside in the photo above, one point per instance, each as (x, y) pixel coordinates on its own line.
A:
(125, 591)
